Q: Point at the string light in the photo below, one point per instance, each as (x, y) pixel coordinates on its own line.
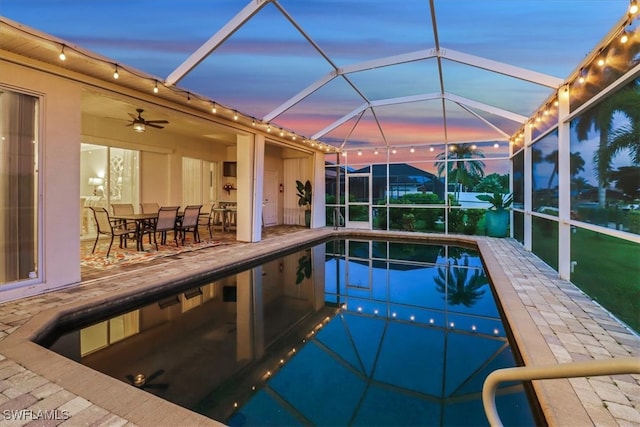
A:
(235, 115)
(413, 150)
(155, 87)
(431, 149)
(214, 108)
(115, 73)
(253, 122)
(359, 153)
(62, 55)
(393, 151)
(633, 7)
(582, 76)
(376, 152)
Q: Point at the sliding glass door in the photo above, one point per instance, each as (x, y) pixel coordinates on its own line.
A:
(19, 145)
(107, 175)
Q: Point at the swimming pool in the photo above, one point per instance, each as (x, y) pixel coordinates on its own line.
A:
(348, 332)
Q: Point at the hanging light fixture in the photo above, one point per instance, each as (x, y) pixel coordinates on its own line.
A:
(62, 56)
(633, 7)
(139, 127)
(155, 87)
(115, 73)
(214, 109)
(235, 115)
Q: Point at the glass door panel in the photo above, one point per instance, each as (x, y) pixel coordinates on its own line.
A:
(359, 201)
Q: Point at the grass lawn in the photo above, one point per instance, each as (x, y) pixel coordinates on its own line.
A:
(608, 270)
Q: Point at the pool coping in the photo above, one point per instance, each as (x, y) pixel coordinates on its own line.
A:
(558, 399)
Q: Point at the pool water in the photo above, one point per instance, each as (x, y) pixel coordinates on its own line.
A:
(348, 332)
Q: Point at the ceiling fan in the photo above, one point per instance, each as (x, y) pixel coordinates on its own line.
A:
(140, 124)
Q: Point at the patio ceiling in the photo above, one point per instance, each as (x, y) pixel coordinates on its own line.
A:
(350, 73)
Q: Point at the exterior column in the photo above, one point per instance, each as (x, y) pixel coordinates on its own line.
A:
(250, 158)
(564, 184)
(318, 211)
(528, 190)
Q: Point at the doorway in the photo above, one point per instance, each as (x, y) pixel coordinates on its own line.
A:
(359, 200)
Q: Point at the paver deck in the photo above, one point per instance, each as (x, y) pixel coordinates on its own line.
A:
(552, 322)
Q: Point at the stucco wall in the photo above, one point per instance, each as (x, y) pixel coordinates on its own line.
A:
(59, 169)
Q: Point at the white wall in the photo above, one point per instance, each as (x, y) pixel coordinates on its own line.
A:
(59, 178)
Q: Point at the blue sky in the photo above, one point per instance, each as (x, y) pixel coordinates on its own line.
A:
(267, 61)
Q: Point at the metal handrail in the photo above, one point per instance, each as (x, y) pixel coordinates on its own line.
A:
(591, 368)
(337, 217)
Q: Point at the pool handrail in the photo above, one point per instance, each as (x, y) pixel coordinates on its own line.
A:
(590, 368)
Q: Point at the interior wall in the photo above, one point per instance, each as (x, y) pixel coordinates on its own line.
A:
(154, 178)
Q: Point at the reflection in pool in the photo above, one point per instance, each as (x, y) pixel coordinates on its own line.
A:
(348, 332)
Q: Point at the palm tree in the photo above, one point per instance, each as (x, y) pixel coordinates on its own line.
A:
(576, 164)
(600, 118)
(455, 283)
(461, 170)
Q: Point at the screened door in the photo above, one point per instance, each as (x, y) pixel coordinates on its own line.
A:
(359, 201)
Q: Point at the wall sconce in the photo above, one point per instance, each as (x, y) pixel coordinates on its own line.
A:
(228, 187)
(97, 184)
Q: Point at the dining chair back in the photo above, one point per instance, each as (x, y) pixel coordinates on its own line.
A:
(105, 226)
(166, 222)
(189, 222)
(122, 208)
(206, 219)
(149, 208)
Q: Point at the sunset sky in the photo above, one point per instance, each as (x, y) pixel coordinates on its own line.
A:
(267, 61)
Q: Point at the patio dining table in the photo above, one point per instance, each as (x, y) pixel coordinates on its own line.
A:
(140, 219)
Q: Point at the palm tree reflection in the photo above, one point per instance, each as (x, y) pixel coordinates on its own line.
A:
(461, 285)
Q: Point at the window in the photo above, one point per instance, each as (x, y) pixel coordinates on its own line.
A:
(18, 186)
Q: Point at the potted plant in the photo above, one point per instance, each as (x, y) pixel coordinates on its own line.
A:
(497, 217)
(304, 200)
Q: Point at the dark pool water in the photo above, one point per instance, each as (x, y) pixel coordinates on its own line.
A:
(347, 332)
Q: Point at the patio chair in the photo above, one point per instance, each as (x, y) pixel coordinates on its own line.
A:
(106, 226)
(206, 220)
(189, 222)
(149, 207)
(166, 221)
(125, 209)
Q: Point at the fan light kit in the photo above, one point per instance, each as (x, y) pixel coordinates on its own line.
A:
(140, 124)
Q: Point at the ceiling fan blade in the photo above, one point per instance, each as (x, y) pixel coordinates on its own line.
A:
(154, 126)
(156, 121)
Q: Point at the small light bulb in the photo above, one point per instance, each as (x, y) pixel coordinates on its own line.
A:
(62, 55)
(413, 150)
(601, 62)
(359, 153)
(375, 152)
(496, 145)
(235, 115)
(393, 151)
(155, 88)
(431, 149)
(214, 108)
(623, 39)
(115, 73)
(633, 7)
